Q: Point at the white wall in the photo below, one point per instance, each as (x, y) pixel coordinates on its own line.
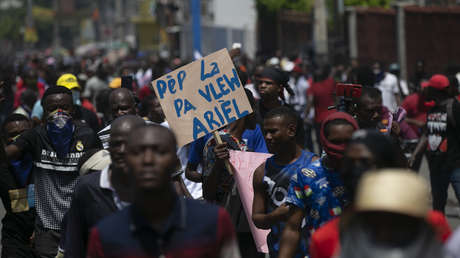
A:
(238, 14)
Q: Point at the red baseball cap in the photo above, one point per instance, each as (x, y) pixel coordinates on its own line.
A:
(438, 81)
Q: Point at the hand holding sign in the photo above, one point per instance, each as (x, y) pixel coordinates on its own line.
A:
(202, 96)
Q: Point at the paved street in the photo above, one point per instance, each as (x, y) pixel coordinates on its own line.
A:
(452, 209)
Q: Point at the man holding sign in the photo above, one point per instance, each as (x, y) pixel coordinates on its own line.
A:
(271, 178)
(198, 99)
(218, 184)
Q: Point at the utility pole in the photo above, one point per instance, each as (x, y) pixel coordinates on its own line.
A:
(196, 27)
(320, 38)
(401, 39)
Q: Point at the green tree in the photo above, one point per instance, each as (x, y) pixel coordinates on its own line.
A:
(12, 23)
(369, 3)
(298, 5)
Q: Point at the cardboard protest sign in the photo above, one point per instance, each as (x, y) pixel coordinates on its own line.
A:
(244, 164)
(202, 96)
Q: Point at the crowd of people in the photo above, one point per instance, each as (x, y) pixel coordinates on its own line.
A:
(90, 168)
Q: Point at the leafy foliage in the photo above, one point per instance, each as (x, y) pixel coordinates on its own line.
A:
(369, 3)
(11, 23)
(298, 5)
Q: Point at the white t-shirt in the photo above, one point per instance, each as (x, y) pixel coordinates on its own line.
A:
(195, 189)
(389, 87)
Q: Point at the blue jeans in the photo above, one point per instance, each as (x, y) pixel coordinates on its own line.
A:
(440, 179)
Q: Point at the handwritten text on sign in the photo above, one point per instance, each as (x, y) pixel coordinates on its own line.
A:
(202, 96)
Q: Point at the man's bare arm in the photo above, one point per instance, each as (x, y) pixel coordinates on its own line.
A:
(291, 234)
(260, 217)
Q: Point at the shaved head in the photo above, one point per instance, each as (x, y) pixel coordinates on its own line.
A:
(126, 123)
(151, 129)
(122, 102)
(119, 131)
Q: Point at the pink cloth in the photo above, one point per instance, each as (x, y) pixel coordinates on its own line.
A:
(244, 165)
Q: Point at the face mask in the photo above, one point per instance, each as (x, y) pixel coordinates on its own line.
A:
(76, 97)
(60, 131)
(335, 150)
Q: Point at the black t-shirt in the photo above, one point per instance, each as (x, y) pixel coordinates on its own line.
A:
(55, 178)
(90, 204)
(443, 135)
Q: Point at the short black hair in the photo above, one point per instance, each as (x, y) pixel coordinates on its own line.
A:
(285, 112)
(371, 92)
(13, 118)
(55, 90)
(328, 125)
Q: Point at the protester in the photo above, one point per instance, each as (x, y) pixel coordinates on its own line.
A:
(414, 105)
(271, 178)
(94, 160)
(27, 100)
(391, 207)
(122, 102)
(368, 150)
(370, 113)
(99, 194)
(80, 114)
(316, 192)
(95, 84)
(300, 84)
(441, 140)
(181, 228)
(369, 110)
(18, 223)
(218, 184)
(271, 84)
(401, 83)
(387, 83)
(419, 76)
(150, 109)
(320, 96)
(55, 148)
